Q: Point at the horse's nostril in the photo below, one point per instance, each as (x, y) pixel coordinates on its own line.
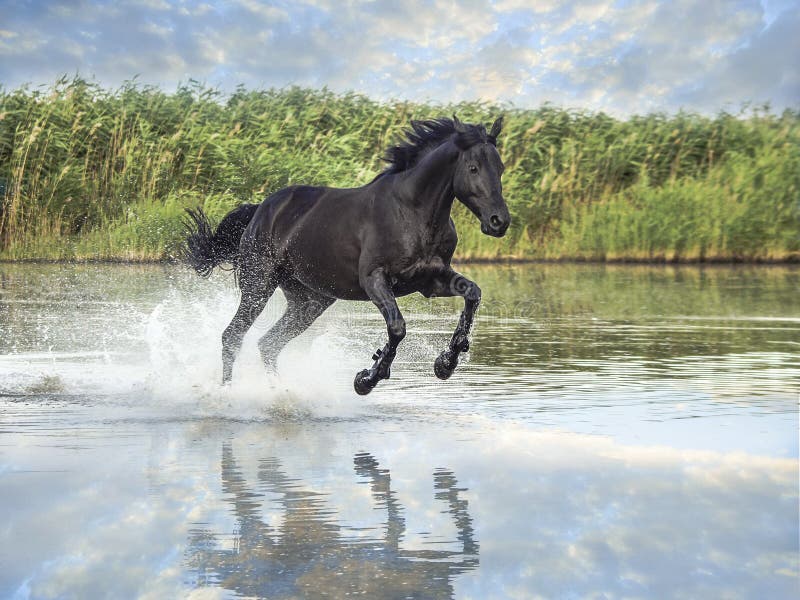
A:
(495, 221)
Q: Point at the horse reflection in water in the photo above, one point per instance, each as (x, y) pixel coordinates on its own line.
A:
(309, 554)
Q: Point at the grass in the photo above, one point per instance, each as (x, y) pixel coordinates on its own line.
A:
(90, 173)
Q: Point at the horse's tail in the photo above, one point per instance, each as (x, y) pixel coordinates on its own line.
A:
(206, 248)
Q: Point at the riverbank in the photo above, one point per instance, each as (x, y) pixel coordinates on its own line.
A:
(792, 259)
(90, 173)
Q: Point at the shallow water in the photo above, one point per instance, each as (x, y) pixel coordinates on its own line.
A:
(616, 431)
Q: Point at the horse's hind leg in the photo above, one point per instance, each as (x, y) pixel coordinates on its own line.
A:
(303, 308)
(255, 295)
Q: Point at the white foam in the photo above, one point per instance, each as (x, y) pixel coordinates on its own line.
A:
(184, 342)
(174, 366)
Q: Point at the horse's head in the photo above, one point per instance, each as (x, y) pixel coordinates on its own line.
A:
(476, 181)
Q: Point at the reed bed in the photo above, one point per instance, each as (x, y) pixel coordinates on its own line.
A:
(93, 173)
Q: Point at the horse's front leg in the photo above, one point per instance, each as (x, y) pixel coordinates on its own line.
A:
(450, 283)
(376, 285)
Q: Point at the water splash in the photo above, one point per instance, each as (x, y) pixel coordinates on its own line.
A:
(172, 366)
(184, 347)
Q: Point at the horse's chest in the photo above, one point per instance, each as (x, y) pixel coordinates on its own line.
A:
(425, 250)
(420, 259)
(416, 276)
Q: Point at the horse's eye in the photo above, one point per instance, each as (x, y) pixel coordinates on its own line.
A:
(473, 169)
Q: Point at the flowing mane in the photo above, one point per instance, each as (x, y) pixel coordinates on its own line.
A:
(426, 135)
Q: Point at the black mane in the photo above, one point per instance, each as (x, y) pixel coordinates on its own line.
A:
(426, 135)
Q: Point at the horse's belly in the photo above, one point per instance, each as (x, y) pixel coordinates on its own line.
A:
(314, 239)
(327, 264)
(334, 287)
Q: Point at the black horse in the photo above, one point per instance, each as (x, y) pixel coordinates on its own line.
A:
(391, 237)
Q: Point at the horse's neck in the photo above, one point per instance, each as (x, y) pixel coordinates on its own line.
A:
(428, 186)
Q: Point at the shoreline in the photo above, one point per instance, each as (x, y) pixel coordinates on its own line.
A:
(787, 261)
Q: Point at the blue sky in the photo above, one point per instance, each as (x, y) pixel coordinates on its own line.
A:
(621, 56)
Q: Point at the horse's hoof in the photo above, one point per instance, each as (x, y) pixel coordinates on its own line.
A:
(445, 365)
(362, 383)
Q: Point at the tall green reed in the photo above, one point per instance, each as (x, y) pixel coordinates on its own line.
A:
(91, 172)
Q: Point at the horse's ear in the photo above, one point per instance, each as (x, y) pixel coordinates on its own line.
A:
(458, 125)
(497, 127)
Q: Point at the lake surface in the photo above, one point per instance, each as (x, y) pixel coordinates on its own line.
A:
(616, 431)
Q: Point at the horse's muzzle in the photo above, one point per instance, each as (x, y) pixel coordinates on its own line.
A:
(496, 225)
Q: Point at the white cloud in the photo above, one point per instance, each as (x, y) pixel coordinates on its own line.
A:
(647, 55)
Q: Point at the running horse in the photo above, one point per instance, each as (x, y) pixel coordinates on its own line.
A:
(389, 238)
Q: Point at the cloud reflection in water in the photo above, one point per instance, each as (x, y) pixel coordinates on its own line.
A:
(197, 509)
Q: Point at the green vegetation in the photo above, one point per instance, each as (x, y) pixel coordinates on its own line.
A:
(92, 173)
